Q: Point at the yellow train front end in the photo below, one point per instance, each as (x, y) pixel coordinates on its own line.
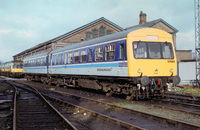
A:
(16, 69)
(12, 69)
(151, 61)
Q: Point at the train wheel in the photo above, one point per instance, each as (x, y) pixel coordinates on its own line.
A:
(129, 98)
(109, 93)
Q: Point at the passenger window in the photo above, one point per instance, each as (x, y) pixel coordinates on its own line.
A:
(90, 58)
(54, 59)
(69, 58)
(110, 52)
(99, 54)
(65, 61)
(38, 62)
(76, 57)
(58, 59)
(121, 51)
(83, 56)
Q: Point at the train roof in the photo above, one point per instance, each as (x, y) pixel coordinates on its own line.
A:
(38, 55)
(106, 38)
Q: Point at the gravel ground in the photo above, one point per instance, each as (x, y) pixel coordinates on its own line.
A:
(162, 112)
(132, 105)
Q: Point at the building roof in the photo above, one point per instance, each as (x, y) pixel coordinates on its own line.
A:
(152, 23)
(69, 33)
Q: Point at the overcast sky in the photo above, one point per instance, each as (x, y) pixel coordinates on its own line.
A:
(26, 23)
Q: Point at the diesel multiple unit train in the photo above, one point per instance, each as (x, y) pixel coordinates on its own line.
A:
(12, 69)
(139, 63)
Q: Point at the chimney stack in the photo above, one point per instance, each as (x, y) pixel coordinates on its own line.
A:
(143, 18)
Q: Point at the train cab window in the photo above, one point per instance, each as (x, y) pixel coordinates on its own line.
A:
(154, 51)
(99, 53)
(65, 59)
(121, 51)
(69, 58)
(140, 50)
(76, 57)
(90, 55)
(167, 51)
(110, 52)
(83, 56)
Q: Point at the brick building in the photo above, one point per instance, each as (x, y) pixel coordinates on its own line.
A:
(94, 29)
(183, 55)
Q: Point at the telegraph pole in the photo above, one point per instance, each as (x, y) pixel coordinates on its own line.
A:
(197, 40)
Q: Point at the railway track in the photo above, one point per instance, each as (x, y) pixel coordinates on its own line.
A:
(187, 102)
(33, 111)
(141, 119)
(6, 105)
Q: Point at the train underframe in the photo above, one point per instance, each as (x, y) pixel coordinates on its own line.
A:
(12, 74)
(133, 88)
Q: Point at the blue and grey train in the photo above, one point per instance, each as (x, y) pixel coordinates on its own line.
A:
(139, 63)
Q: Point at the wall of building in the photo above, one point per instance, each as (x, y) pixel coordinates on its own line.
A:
(76, 37)
(183, 55)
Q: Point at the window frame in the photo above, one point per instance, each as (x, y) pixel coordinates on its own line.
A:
(108, 49)
(97, 49)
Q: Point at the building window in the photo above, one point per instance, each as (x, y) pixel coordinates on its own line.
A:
(88, 36)
(102, 31)
(94, 33)
(110, 52)
(99, 53)
(109, 32)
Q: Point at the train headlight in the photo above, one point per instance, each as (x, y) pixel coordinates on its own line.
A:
(171, 70)
(139, 70)
(156, 70)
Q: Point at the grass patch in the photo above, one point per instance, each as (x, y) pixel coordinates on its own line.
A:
(108, 107)
(196, 91)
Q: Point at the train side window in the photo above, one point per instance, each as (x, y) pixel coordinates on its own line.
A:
(76, 57)
(99, 53)
(55, 59)
(62, 59)
(38, 62)
(90, 55)
(65, 59)
(69, 58)
(110, 52)
(121, 51)
(58, 59)
(83, 56)
(41, 62)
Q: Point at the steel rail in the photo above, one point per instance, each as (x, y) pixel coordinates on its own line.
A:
(68, 123)
(99, 115)
(156, 117)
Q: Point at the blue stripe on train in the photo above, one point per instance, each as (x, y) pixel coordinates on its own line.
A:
(124, 64)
